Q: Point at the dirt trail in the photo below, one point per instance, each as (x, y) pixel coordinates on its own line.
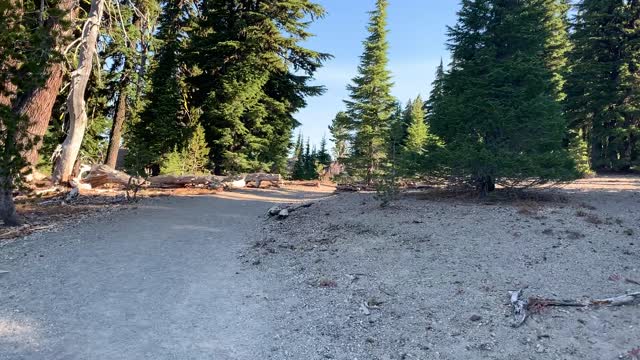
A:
(159, 281)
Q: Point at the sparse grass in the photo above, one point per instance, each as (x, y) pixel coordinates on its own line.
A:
(587, 206)
(574, 235)
(327, 283)
(529, 209)
(581, 213)
(593, 219)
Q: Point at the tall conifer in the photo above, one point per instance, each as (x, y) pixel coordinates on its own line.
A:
(371, 106)
(603, 85)
(498, 93)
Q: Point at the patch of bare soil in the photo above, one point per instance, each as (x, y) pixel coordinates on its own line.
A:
(49, 213)
(429, 278)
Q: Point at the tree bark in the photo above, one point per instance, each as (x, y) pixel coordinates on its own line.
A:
(7, 207)
(37, 107)
(38, 104)
(116, 129)
(121, 109)
(75, 101)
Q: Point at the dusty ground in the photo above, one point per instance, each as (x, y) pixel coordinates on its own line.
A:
(157, 280)
(439, 270)
(51, 212)
(208, 277)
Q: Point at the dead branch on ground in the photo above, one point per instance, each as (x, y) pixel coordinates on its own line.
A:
(522, 307)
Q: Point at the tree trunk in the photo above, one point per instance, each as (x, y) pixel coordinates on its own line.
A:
(38, 107)
(484, 185)
(121, 109)
(75, 101)
(38, 104)
(7, 208)
(116, 129)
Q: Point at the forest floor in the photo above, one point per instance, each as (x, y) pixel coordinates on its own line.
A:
(429, 277)
(195, 276)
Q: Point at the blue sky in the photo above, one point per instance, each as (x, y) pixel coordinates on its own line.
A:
(417, 42)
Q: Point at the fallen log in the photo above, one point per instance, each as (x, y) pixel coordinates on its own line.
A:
(101, 175)
(53, 190)
(171, 181)
(348, 188)
(284, 212)
(257, 178)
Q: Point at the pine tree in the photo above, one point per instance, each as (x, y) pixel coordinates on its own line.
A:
(309, 163)
(398, 131)
(196, 153)
(164, 122)
(418, 141)
(417, 131)
(498, 93)
(125, 38)
(603, 85)
(25, 51)
(437, 91)
(297, 151)
(306, 167)
(192, 159)
(371, 106)
(324, 158)
(341, 136)
(557, 44)
(579, 151)
(254, 76)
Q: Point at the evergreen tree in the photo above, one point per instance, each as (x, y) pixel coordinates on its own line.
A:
(340, 135)
(192, 159)
(309, 163)
(398, 131)
(400, 123)
(557, 44)
(307, 166)
(254, 77)
(418, 141)
(437, 91)
(297, 151)
(324, 158)
(417, 131)
(371, 106)
(125, 44)
(25, 51)
(164, 123)
(603, 85)
(498, 93)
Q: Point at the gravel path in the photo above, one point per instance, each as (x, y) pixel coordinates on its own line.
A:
(162, 280)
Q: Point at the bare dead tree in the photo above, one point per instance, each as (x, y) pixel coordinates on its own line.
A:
(75, 101)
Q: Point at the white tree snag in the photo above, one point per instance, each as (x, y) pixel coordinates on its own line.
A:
(75, 100)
